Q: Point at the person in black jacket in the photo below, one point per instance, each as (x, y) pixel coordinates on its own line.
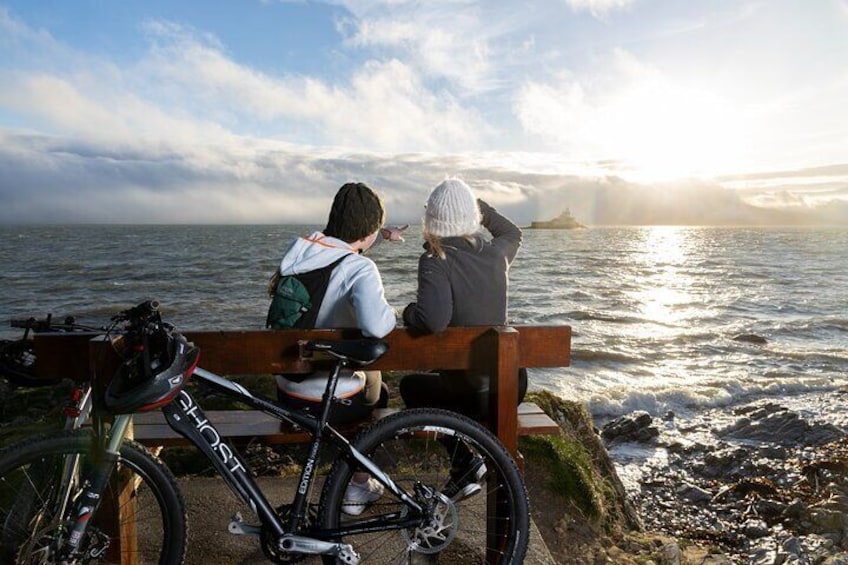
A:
(462, 281)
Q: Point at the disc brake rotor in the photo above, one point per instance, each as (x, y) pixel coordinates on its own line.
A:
(439, 532)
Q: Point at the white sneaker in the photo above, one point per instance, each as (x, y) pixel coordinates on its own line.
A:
(466, 482)
(359, 496)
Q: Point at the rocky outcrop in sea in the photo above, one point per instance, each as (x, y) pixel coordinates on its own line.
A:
(767, 483)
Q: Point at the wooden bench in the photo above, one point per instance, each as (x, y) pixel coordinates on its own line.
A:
(496, 351)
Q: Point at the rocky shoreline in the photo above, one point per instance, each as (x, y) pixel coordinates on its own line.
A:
(765, 482)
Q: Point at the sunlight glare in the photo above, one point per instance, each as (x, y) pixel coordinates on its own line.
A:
(665, 132)
(663, 256)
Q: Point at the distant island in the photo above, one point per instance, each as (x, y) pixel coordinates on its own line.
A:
(564, 221)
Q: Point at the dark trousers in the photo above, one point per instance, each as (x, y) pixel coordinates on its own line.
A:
(457, 391)
(453, 390)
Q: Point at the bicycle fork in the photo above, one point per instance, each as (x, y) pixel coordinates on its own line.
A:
(93, 489)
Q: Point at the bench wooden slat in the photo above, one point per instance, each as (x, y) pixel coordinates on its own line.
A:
(536, 424)
(241, 426)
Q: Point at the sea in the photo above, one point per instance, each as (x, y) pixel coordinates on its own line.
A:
(665, 319)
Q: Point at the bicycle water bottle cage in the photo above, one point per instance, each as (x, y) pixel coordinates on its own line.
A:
(360, 352)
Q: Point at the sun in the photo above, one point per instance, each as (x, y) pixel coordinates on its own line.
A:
(663, 132)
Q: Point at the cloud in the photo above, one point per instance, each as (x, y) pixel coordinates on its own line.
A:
(187, 89)
(447, 40)
(55, 179)
(599, 8)
(184, 131)
(383, 106)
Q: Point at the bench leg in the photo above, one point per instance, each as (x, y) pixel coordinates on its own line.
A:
(117, 515)
(501, 349)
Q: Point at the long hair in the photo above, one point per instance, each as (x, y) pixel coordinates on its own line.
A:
(434, 244)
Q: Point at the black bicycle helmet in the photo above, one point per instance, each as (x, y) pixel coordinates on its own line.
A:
(136, 388)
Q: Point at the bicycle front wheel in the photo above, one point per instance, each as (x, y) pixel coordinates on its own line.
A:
(140, 519)
(478, 510)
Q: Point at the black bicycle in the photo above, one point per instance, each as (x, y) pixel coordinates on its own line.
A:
(17, 357)
(417, 485)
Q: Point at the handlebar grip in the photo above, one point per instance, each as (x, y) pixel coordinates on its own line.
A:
(21, 323)
(144, 309)
(148, 306)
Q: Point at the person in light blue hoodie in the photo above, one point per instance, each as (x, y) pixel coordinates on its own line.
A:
(354, 298)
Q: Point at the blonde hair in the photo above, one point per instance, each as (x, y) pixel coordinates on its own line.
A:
(434, 242)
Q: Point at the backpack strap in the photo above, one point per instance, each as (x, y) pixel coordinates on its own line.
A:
(316, 282)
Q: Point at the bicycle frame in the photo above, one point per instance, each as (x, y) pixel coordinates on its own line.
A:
(187, 418)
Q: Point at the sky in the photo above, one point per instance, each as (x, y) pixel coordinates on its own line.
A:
(256, 111)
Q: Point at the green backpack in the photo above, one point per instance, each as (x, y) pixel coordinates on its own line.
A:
(297, 298)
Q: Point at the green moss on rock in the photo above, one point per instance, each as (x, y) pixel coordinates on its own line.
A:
(580, 466)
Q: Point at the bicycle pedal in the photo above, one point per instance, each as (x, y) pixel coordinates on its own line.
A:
(239, 528)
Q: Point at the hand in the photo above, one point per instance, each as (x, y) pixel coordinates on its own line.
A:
(393, 233)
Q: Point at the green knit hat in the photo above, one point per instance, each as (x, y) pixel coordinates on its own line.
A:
(357, 212)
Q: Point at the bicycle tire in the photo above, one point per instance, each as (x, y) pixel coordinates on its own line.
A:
(407, 447)
(141, 491)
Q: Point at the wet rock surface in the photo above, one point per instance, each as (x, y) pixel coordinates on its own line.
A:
(765, 483)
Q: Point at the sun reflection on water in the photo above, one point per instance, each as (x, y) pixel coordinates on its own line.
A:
(665, 285)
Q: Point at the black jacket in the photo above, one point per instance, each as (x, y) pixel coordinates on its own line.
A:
(469, 287)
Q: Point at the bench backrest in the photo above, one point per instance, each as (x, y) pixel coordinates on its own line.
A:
(494, 351)
(240, 352)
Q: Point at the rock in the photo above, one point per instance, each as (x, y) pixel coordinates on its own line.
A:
(635, 427)
(693, 493)
(763, 556)
(724, 462)
(792, 546)
(670, 554)
(782, 427)
(769, 509)
(795, 509)
(826, 521)
(755, 529)
(751, 338)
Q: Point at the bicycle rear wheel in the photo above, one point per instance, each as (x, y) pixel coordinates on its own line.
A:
(140, 519)
(422, 450)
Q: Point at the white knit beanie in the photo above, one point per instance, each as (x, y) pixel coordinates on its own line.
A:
(452, 210)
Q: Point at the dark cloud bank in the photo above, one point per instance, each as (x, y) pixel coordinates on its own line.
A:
(50, 180)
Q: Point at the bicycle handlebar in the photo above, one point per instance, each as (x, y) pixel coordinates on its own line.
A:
(139, 314)
(21, 323)
(138, 317)
(47, 325)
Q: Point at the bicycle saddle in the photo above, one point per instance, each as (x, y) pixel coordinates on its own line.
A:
(359, 351)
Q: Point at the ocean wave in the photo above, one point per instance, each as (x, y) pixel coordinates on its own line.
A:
(584, 315)
(689, 399)
(589, 355)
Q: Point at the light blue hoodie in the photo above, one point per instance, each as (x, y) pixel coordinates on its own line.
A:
(355, 297)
